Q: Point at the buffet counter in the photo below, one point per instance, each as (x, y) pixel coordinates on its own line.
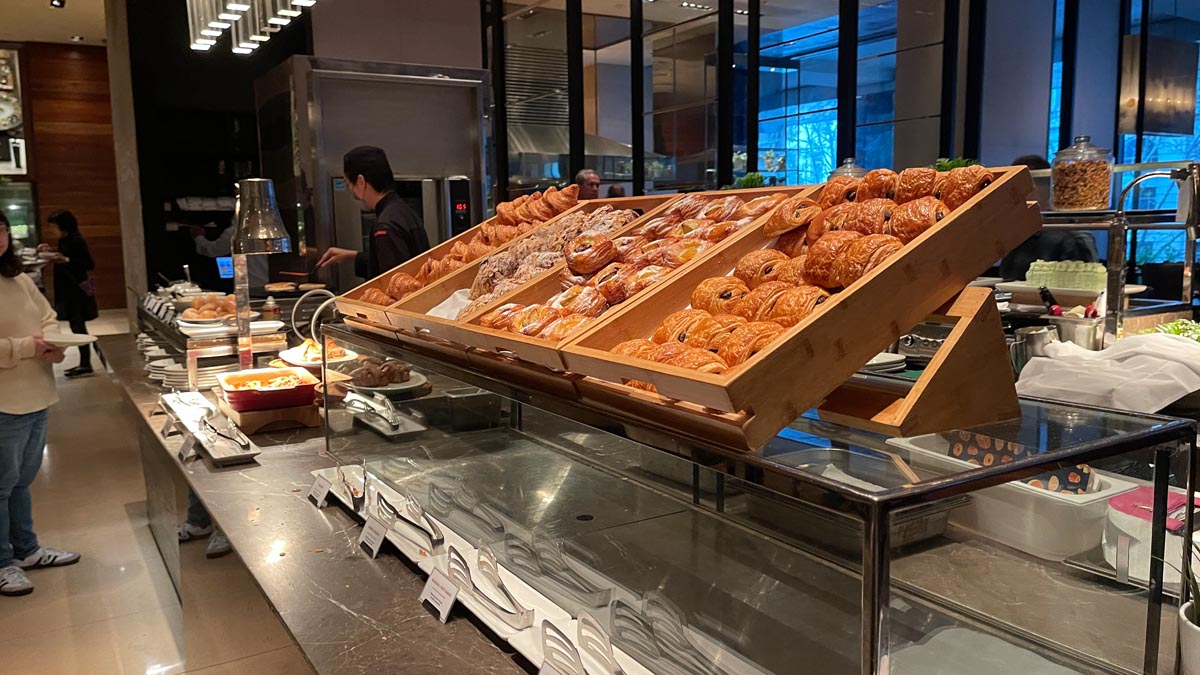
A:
(345, 612)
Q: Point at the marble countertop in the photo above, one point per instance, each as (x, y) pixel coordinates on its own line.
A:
(348, 613)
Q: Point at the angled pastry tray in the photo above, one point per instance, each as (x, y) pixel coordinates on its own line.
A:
(546, 353)
(814, 357)
(410, 314)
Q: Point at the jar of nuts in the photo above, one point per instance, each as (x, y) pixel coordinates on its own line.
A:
(1082, 177)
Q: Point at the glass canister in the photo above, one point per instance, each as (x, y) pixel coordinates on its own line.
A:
(1081, 177)
(848, 168)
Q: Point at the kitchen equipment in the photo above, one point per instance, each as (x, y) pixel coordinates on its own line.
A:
(1030, 342)
(243, 400)
(1087, 333)
(922, 342)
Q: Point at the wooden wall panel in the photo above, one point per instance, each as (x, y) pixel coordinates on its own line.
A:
(71, 152)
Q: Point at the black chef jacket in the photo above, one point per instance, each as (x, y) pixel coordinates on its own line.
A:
(397, 236)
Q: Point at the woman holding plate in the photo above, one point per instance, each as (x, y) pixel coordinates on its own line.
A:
(27, 328)
(74, 291)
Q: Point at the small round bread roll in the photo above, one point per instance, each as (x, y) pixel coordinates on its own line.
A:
(822, 258)
(863, 255)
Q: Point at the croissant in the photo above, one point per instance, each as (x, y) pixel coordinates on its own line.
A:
(912, 218)
(694, 358)
(643, 278)
(794, 213)
(476, 250)
(561, 329)
(837, 190)
(505, 233)
(830, 220)
(957, 186)
(863, 255)
(458, 250)
(763, 295)
(610, 281)
(793, 243)
(589, 252)
(877, 184)
(562, 199)
(791, 271)
(533, 319)
(677, 326)
(689, 206)
(525, 211)
(757, 267)
(872, 216)
(506, 212)
(793, 305)
(728, 324)
(748, 340)
(822, 258)
(682, 251)
(585, 300)
(377, 297)
(915, 183)
(542, 209)
(760, 205)
(402, 284)
(638, 348)
(501, 317)
(719, 295)
(628, 246)
(722, 209)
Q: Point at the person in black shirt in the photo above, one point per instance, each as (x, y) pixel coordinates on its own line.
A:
(74, 290)
(398, 233)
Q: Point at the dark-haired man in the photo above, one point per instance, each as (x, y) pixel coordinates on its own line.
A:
(398, 234)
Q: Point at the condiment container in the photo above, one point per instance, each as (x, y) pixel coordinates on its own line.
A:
(1081, 177)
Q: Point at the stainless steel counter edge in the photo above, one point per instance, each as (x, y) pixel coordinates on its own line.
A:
(346, 612)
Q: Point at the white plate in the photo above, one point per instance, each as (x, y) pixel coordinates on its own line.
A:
(68, 339)
(884, 360)
(415, 380)
(293, 356)
(256, 328)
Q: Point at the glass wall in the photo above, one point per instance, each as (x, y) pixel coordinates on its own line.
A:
(535, 61)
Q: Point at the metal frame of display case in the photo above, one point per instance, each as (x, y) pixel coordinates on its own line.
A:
(875, 509)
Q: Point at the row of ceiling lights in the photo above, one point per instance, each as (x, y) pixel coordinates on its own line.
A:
(249, 22)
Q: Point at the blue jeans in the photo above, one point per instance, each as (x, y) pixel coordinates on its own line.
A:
(196, 513)
(22, 440)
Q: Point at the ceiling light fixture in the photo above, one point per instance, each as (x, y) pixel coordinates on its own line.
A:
(58, 4)
(743, 12)
(695, 6)
(76, 38)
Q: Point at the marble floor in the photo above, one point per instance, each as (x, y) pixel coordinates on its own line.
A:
(116, 611)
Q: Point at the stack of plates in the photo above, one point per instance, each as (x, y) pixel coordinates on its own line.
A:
(154, 353)
(885, 363)
(176, 377)
(158, 369)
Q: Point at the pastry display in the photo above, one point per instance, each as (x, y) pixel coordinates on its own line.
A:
(563, 327)
(402, 284)
(837, 190)
(793, 243)
(748, 340)
(956, 186)
(872, 216)
(757, 299)
(369, 371)
(912, 218)
(792, 305)
(819, 267)
(831, 220)
(585, 300)
(211, 306)
(310, 351)
(757, 267)
(589, 252)
(862, 256)
(915, 183)
(374, 296)
(533, 319)
(760, 205)
(792, 271)
(501, 317)
(877, 184)
(794, 213)
(719, 295)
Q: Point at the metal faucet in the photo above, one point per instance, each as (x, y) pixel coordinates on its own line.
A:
(1118, 233)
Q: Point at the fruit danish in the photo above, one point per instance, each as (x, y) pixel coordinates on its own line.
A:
(792, 271)
(912, 218)
(759, 266)
(717, 231)
(793, 243)
(822, 258)
(678, 327)
(793, 214)
(915, 183)
(872, 216)
(830, 220)
(957, 186)
(877, 184)
(862, 256)
(653, 253)
(589, 253)
(561, 329)
(793, 305)
(689, 206)
(501, 317)
(657, 228)
(760, 205)
(402, 284)
(837, 190)
(639, 348)
(682, 251)
(584, 300)
(765, 294)
(610, 281)
(719, 295)
(747, 341)
(629, 246)
(728, 324)
(567, 279)
(377, 297)
(722, 209)
(643, 278)
(533, 319)
(690, 225)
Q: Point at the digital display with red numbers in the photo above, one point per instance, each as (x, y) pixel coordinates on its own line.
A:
(460, 207)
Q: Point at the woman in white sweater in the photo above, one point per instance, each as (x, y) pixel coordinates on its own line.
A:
(26, 392)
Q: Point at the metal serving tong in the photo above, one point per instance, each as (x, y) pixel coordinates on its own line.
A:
(594, 642)
(670, 629)
(358, 496)
(515, 615)
(558, 651)
(229, 431)
(376, 406)
(524, 559)
(444, 501)
(414, 517)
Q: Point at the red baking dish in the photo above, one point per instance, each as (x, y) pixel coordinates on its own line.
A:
(244, 400)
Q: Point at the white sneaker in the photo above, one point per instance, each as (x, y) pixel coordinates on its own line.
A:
(14, 582)
(188, 531)
(218, 545)
(47, 557)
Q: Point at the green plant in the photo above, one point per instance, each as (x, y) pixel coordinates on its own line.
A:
(945, 164)
(1182, 327)
(1189, 577)
(750, 180)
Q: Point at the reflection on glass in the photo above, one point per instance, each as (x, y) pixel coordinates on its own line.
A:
(682, 108)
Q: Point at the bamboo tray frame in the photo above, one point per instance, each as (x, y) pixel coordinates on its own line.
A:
(816, 356)
(547, 353)
(409, 315)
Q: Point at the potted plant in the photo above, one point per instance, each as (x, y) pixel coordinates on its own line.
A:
(1189, 621)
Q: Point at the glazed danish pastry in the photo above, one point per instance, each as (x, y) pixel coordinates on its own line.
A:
(760, 205)
(639, 348)
(759, 266)
(958, 185)
(793, 214)
(501, 317)
(533, 319)
(681, 251)
(689, 206)
(822, 258)
(722, 209)
(402, 284)
(877, 184)
(377, 297)
(792, 271)
(837, 190)
(589, 253)
(567, 279)
(677, 326)
(915, 183)
(610, 281)
(793, 305)
(717, 231)
(830, 220)
(690, 225)
(747, 341)
(872, 216)
(584, 300)
(793, 243)
(629, 246)
(913, 218)
(643, 278)
(719, 295)
(659, 227)
(757, 298)
(668, 350)
(863, 255)
(561, 329)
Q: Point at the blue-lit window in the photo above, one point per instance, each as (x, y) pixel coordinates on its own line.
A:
(1052, 143)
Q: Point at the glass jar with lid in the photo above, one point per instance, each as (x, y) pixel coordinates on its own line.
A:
(1081, 177)
(848, 168)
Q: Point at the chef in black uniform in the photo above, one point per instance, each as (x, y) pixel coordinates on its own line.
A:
(398, 233)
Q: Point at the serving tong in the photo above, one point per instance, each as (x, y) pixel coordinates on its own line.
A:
(658, 638)
(512, 613)
(414, 517)
(376, 406)
(445, 501)
(229, 431)
(558, 651)
(566, 586)
(594, 642)
(358, 497)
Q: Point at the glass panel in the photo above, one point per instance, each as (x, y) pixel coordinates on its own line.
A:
(17, 204)
(13, 150)
(535, 59)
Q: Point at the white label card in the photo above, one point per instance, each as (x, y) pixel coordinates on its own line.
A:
(187, 447)
(372, 536)
(440, 593)
(319, 492)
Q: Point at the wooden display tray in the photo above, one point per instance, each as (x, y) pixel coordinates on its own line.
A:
(409, 315)
(547, 353)
(255, 421)
(816, 356)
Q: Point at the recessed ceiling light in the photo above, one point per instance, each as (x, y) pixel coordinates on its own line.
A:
(76, 38)
(58, 4)
(743, 12)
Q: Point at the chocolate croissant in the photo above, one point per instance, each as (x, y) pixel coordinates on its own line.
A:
(759, 266)
(747, 341)
(695, 358)
(877, 184)
(822, 258)
(912, 218)
(863, 255)
(957, 186)
(872, 216)
(794, 213)
(687, 326)
(792, 243)
(719, 295)
(831, 220)
(756, 299)
(638, 348)
(837, 190)
(728, 323)
(792, 271)
(793, 305)
(915, 183)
